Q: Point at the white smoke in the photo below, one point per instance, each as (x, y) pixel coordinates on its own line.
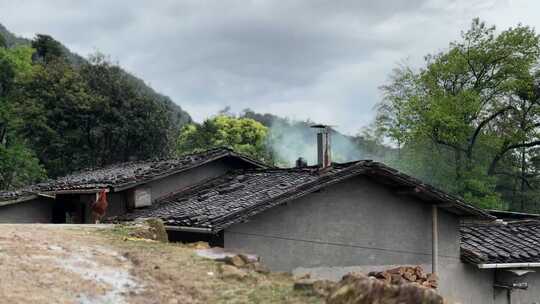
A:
(291, 140)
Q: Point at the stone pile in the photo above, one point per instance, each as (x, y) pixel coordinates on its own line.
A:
(359, 289)
(406, 274)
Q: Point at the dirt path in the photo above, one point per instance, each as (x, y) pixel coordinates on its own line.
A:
(68, 264)
(43, 264)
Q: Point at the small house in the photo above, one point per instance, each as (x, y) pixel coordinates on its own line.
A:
(130, 185)
(331, 219)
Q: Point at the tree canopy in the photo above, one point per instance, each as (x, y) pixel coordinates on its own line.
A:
(244, 135)
(18, 164)
(47, 48)
(3, 42)
(470, 108)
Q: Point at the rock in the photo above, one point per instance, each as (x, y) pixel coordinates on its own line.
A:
(247, 259)
(236, 261)
(152, 229)
(303, 285)
(406, 275)
(158, 228)
(320, 288)
(221, 255)
(243, 261)
(198, 245)
(304, 276)
(359, 289)
(231, 272)
(259, 267)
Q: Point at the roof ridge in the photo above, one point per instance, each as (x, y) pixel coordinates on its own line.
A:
(141, 161)
(207, 205)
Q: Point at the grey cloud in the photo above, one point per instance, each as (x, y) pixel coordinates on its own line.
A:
(301, 58)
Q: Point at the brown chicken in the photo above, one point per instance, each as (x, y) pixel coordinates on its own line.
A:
(99, 207)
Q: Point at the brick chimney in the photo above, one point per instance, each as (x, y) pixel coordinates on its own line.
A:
(324, 159)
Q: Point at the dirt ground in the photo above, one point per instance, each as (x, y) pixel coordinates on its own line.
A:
(74, 264)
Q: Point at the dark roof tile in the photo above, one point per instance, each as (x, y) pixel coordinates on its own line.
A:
(234, 197)
(499, 242)
(125, 174)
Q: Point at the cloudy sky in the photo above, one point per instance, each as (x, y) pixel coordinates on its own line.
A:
(315, 59)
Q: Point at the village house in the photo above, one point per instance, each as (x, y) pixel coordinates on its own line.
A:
(129, 185)
(326, 220)
(360, 216)
(331, 219)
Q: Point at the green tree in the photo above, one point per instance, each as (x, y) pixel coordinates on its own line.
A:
(55, 105)
(18, 163)
(126, 122)
(47, 48)
(244, 135)
(90, 116)
(18, 166)
(3, 42)
(461, 102)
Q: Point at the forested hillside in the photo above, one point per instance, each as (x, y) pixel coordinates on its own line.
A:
(60, 113)
(178, 114)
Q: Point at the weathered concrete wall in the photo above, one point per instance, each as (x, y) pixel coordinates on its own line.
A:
(352, 223)
(358, 223)
(162, 187)
(34, 211)
(464, 283)
(528, 296)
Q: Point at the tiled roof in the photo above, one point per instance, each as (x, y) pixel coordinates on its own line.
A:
(236, 196)
(499, 242)
(20, 194)
(126, 174)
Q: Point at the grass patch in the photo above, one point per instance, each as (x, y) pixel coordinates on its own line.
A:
(175, 267)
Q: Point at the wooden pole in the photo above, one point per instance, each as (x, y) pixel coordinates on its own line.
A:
(434, 239)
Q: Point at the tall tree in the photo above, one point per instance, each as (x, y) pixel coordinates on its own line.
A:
(460, 99)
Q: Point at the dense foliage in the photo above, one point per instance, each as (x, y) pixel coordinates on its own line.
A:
(468, 121)
(58, 116)
(18, 164)
(244, 135)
